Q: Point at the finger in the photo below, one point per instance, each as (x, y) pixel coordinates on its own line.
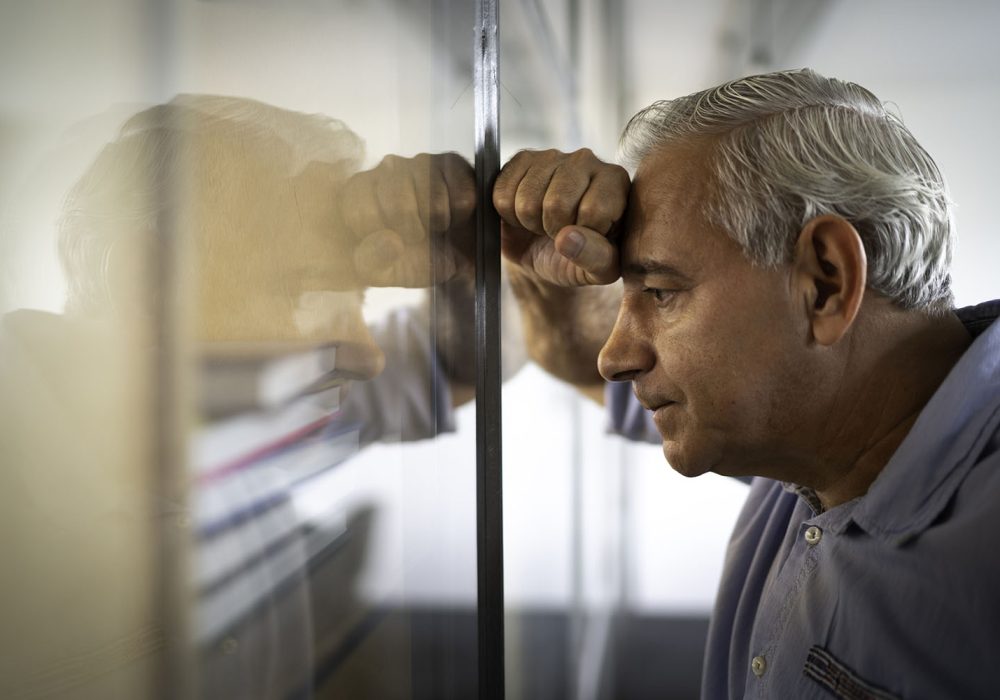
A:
(428, 191)
(591, 252)
(397, 199)
(531, 194)
(604, 202)
(562, 199)
(507, 182)
(514, 241)
(358, 206)
(460, 179)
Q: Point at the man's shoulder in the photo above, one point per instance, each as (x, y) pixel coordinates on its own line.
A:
(951, 436)
(978, 317)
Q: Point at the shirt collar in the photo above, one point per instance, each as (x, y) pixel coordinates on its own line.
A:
(944, 442)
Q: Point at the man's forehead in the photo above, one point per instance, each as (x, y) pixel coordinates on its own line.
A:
(676, 168)
(665, 222)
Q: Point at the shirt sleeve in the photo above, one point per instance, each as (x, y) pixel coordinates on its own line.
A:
(411, 398)
(626, 416)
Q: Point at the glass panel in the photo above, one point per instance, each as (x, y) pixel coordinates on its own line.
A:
(609, 555)
(237, 293)
(563, 488)
(612, 560)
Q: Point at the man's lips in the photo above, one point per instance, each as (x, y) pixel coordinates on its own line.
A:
(652, 403)
(658, 411)
(664, 420)
(658, 405)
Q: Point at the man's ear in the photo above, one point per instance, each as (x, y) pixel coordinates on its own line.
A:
(831, 268)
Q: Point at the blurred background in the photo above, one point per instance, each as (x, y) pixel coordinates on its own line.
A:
(193, 504)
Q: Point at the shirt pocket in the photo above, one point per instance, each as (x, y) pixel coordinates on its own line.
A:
(838, 679)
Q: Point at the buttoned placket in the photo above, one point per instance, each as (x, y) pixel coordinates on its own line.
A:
(777, 604)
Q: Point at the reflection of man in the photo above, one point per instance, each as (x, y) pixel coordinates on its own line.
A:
(280, 240)
(786, 315)
(276, 237)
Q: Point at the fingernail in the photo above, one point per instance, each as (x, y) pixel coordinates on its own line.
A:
(572, 244)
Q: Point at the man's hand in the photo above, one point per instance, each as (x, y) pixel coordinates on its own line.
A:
(558, 210)
(410, 220)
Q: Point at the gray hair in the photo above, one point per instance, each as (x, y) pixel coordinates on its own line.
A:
(793, 145)
(119, 200)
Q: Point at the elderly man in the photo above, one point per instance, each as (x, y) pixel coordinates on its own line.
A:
(786, 315)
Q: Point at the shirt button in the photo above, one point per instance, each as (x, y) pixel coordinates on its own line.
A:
(813, 535)
(758, 666)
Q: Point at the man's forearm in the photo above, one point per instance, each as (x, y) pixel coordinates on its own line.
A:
(454, 328)
(565, 327)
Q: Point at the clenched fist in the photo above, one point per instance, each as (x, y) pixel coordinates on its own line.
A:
(558, 211)
(410, 221)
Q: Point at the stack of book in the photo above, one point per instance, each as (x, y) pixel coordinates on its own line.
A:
(273, 432)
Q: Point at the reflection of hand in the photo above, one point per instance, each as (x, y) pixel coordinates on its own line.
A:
(557, 210)
(410, 219)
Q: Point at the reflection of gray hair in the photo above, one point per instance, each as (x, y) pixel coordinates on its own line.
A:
(794, 145)
(121, 198)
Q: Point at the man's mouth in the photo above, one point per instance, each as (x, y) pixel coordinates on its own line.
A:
(664, 419)
(652, 403)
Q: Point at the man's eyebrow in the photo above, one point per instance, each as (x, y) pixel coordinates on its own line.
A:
(641, 268)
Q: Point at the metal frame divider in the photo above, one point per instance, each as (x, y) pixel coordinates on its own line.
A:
(489, 505)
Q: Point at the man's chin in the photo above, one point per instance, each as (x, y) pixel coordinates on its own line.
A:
(682, 461)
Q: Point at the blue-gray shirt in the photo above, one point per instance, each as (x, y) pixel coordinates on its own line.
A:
(893, 594)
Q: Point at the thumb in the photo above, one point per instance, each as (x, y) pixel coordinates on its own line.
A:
(377, 253)
(591, 252)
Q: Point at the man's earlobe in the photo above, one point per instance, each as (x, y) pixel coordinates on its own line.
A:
(831, 266)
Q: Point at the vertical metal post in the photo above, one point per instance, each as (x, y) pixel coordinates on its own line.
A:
(488, 456)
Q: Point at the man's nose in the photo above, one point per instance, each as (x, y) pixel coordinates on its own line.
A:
(625, 354)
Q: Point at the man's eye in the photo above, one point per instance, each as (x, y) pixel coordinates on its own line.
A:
(662, 296)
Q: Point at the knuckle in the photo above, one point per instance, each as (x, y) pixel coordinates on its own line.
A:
(464, 200)
(541, 158)
(596, 215)
(503, 178)
(503, 200)
(587, 211)
(361, 183)
(439, 212)
(559, 205)
(519, 158)
(527, 212)
(453, 160)
(390, 161)
(621, 177)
